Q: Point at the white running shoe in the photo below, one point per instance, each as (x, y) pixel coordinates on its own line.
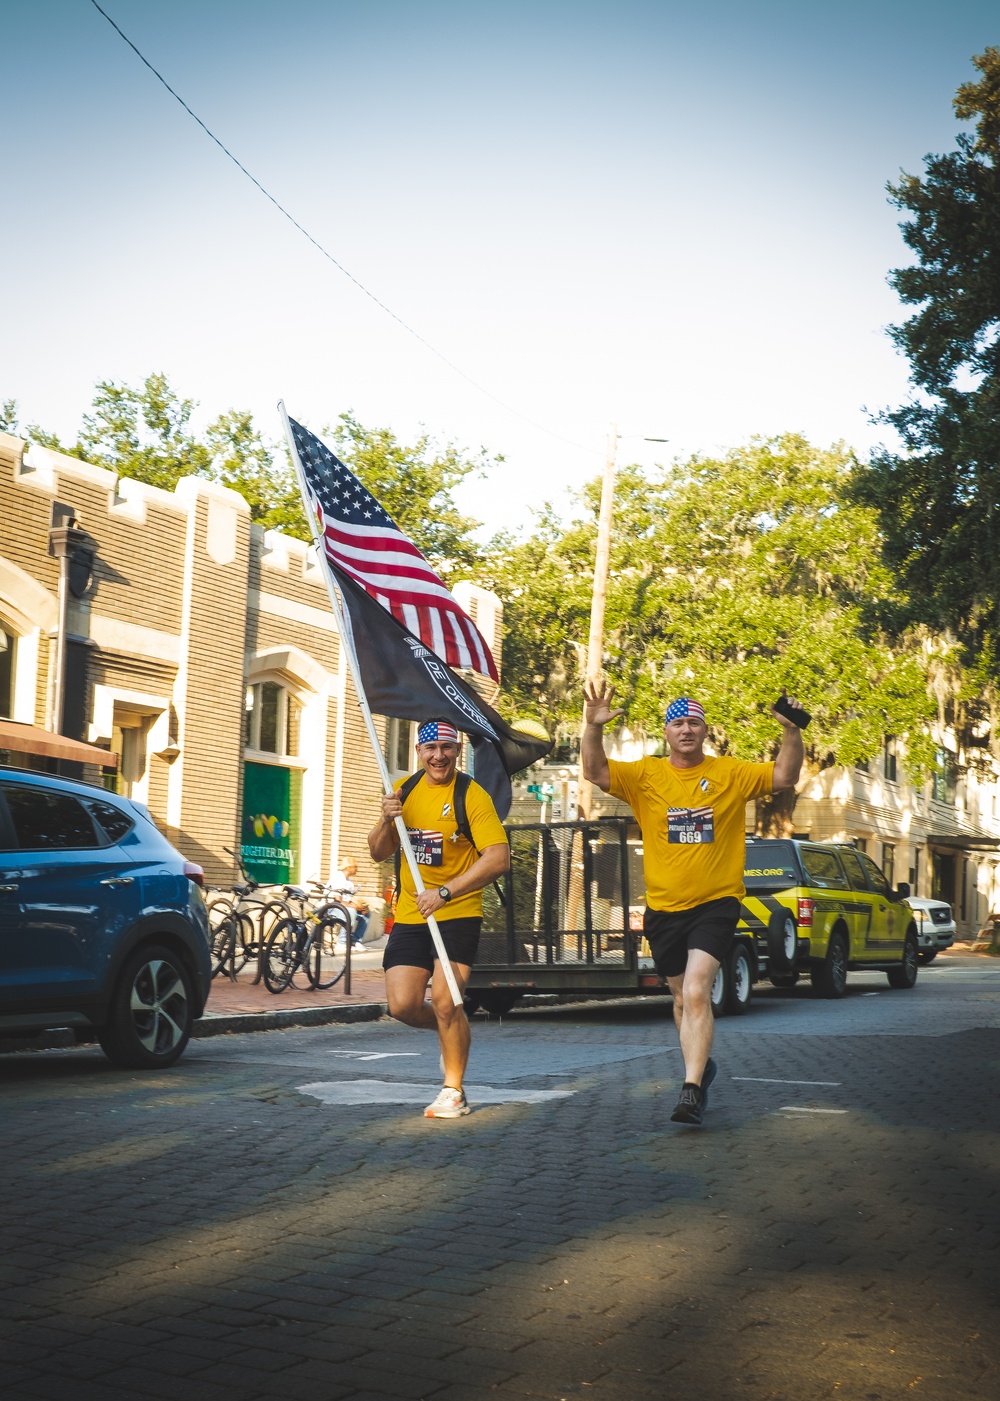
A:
(450, 1104)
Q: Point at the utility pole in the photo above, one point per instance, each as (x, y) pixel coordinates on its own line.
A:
(595, 643)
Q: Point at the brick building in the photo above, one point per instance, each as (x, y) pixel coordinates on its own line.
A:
(203, 652)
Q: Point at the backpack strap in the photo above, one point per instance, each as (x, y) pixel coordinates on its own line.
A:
(462, 781)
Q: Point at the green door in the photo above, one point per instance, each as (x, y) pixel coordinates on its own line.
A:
(272, 816)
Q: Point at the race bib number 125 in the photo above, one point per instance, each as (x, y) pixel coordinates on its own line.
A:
(428, 847)
(690, 826)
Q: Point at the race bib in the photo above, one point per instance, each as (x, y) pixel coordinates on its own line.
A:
(428, 847)
(690, 826)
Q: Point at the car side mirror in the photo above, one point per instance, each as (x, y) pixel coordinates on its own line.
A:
(903, 890)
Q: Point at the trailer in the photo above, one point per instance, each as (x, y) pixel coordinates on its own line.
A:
(567, 918)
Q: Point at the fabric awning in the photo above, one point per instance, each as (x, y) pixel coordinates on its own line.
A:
(30, 739)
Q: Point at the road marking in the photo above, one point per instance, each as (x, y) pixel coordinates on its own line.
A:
(358, 1092)
(804, 1109)
(766, 1080)
(373, 1055)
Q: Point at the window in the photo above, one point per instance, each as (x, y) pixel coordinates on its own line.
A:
(862, 766)
(8, 648)
(861, 843)
(49, 821)
(889, 760)
(114, 823)
(399, 745)
(272, 719)
(855, 870)
(876, 879)
(822, 867)
(915, 871)
(943, 782)
(889, 863)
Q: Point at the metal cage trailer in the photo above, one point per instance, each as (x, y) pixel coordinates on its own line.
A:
(570, 921)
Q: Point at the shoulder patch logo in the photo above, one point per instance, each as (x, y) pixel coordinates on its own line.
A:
(446, 809)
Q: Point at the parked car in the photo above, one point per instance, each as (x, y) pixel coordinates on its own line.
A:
(822, 909)
(102, 921)
(935, 926)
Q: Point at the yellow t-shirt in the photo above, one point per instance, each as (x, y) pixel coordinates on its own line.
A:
(442, 853)
(692, 822)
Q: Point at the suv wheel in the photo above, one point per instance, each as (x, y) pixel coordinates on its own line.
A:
(829, 975)
(151, 1011)
(906, 974)
(740, 982)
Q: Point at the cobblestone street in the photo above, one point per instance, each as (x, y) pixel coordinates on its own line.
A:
(273, 1218)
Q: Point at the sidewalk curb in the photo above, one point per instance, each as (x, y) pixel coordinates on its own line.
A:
(221, 1023)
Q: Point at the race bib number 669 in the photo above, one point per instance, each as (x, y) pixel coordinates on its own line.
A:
(690, 826)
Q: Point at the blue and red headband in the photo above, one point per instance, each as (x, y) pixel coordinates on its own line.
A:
(684, 709)
(436, 730)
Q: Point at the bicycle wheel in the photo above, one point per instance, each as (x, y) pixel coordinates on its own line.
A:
(224, 945)
(325, 966)
(218, 908)
(281, 955)
(267, 915)
(245, 942)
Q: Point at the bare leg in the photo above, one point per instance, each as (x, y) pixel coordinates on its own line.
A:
(405, 990)
(692, 994)
(452, 1024)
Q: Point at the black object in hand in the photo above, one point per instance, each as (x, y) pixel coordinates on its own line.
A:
(796, 714)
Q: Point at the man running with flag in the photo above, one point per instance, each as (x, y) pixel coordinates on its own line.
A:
(690, 808)
(461, 847)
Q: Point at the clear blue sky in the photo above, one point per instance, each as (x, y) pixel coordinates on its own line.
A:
(670, 215)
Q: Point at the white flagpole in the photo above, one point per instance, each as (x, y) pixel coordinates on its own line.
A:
(347, 642)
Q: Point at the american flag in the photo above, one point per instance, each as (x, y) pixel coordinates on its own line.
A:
(362, 540)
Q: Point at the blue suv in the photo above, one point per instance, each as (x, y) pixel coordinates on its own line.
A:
(102, 922)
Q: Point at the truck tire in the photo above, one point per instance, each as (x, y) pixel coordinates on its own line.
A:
(739, 986)
(928, 956)
(782, 941)
(829, 975)
(720, 991)
(906, 974)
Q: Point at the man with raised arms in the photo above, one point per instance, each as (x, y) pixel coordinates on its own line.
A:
(690, 808)
(455, 872)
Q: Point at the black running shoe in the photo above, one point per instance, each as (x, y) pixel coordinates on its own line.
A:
(711, 1070)
(689, 1105)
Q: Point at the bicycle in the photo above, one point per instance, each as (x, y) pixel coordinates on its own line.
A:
(303, 942)
(239, 927)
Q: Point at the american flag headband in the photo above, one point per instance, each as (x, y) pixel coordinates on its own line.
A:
(436, 730)
(684, 709)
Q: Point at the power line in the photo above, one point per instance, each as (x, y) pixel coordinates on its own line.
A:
(324, 251)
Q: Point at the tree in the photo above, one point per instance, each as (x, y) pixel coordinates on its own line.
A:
(731, 577)
(241, 458)
(938, 499)
(8, 416)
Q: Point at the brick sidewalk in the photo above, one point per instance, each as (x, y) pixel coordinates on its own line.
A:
(242, 997)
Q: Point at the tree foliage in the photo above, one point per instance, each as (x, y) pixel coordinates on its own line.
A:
(731, 578)
(145, 432)
(938, 500)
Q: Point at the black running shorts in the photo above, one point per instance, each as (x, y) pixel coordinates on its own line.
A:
(411, 944)
(671, 933)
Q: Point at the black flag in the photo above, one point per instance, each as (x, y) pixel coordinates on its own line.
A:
(404, 679)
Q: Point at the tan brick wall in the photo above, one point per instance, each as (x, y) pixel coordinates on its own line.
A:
(209, 698)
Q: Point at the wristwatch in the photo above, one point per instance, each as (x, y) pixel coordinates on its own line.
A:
(445, 893)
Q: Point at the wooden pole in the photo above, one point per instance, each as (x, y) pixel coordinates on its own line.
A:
(599, 597)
